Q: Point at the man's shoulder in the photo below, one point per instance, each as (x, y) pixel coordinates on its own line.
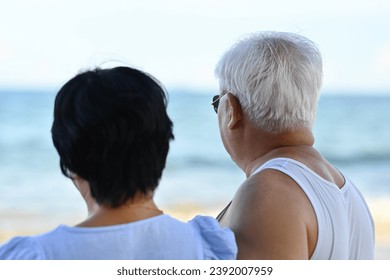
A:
(271, 194)
(269, 209)
(268, 181)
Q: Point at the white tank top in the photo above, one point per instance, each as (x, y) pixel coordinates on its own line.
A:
(345, 225)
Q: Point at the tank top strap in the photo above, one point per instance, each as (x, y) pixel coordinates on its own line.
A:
(275, 162)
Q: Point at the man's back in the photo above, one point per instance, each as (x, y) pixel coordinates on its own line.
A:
(323, 220)
(345, 226)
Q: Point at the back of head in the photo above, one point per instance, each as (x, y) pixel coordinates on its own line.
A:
(276, 77)
(111, 128)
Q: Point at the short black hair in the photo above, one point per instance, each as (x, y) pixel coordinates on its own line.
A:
(112, 129)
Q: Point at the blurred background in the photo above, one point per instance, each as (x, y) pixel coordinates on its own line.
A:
(44, 43)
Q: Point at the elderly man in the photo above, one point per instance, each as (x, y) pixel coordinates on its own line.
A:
(293, 204)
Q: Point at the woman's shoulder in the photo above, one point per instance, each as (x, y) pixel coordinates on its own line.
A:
(27, 247)
(218, 242)
(20, 248)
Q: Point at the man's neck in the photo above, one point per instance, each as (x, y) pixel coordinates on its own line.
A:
(261, 146)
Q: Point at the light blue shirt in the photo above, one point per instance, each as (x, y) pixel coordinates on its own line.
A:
(158, 238)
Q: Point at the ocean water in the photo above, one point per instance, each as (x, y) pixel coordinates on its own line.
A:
(352, 132)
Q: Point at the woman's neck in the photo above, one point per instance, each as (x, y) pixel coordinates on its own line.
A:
(140, 208)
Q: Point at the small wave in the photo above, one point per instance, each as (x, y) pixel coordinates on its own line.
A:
(359, 158)
(200, 162)
(225, 163)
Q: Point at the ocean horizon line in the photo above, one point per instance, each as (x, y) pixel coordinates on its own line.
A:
(182, 90)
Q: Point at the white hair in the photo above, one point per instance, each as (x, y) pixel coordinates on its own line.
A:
(276, 77)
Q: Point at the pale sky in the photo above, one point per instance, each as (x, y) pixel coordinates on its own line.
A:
(43, 43)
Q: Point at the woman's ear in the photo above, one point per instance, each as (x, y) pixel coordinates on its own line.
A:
(235, 111)
(71, 174)
(79, 182)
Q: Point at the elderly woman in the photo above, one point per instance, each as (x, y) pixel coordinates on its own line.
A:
(294, 204)
(112, 133)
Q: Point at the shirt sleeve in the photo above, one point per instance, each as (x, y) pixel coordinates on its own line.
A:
(20, 248)
(218, 243)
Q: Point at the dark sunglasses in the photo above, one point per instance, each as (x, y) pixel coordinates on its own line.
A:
(215, 102)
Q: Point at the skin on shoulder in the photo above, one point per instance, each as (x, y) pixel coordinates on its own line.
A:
(272, 218)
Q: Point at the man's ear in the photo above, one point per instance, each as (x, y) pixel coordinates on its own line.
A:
(235, 111)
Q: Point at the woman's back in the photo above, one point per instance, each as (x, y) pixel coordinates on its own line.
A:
(160, 237)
